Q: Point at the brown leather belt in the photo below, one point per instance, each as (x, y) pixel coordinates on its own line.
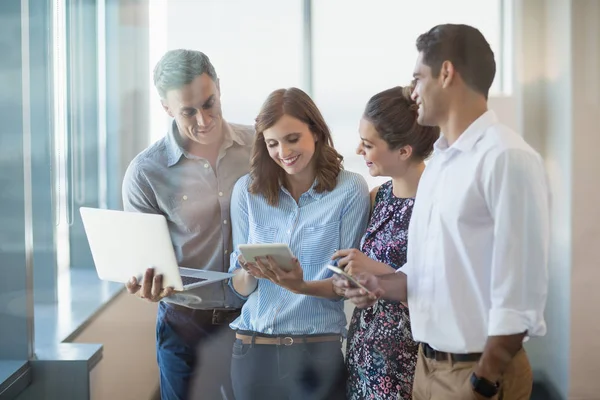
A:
(221, 316)
(433, 354)
(287, 340)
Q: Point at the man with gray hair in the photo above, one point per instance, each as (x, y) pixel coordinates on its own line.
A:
(187, 176)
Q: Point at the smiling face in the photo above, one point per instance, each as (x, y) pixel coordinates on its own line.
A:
(196, 108)
(291, 145)
(380, 160)
(428, 94)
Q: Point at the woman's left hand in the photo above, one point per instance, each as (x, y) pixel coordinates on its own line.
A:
(292, 280)
(355, 262)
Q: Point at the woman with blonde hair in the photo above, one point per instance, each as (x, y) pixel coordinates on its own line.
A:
(288, 345)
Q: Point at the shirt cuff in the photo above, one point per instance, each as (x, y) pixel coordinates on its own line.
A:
(232, 269)
(235, 264)
(404, 269)
(230, 283)
(505, 321)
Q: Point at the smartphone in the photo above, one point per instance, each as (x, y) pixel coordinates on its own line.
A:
(353, 282)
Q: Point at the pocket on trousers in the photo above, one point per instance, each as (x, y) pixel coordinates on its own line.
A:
(160, 328)
(240, 350)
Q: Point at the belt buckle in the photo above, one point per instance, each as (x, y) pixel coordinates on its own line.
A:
(288, 341)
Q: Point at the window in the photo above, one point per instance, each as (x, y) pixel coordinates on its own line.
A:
(78, 104)
(238, 37)
(372, 48)
(53, 139)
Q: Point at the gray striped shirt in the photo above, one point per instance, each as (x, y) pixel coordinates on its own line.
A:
(165, 179)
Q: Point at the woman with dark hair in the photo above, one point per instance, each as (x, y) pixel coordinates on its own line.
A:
(381, 354)
(288, 345)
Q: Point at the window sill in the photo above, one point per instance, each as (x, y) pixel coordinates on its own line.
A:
(81, 297)
(15, 376)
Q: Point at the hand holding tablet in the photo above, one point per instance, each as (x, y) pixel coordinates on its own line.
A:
(280, 252)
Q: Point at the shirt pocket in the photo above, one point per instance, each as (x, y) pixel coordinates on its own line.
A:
(319, 242)
(261, 233)
(186, 211)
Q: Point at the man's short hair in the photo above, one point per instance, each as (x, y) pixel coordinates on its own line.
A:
(466, 48)
(178, 68)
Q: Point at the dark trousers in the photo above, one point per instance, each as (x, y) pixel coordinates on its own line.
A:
(192, 355)
(312, 371)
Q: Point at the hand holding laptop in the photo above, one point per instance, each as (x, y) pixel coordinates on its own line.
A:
(149, 287)
(124, 244)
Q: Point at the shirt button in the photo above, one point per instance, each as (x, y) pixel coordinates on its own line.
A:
(225, 222)
(225, 252)
(206, 165)
(220, 194)
(289, 231)
(184, 197)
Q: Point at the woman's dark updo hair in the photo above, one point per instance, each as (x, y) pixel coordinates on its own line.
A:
(394, 114)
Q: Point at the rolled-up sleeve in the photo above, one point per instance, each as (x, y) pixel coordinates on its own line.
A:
(355, 218)
(239, 225)
(405, 269)
(355, 215)
(517, 195)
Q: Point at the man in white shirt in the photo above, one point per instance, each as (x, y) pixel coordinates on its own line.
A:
(476, 273)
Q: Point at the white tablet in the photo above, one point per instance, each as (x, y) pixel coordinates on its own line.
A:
(279, 251)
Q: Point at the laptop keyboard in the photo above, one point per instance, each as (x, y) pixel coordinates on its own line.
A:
(188, 280)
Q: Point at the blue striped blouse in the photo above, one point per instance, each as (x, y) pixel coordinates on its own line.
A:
(314, 228)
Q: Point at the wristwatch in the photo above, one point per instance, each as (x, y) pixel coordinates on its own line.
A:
(484, 387)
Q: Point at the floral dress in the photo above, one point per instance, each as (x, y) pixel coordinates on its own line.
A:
(381, 354)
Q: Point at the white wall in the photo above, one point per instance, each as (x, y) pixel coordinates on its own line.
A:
(542, 85)
(585, 297)
(557, 52)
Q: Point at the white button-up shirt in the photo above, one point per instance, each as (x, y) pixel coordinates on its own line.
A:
(479, 235)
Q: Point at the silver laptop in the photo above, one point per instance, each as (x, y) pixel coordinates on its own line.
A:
(125, 244)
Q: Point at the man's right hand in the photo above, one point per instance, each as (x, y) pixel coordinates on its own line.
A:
(358, 296)
(151, 287)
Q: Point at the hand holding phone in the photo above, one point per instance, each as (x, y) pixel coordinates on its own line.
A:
(351, 280)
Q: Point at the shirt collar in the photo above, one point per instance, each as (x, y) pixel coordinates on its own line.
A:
(313, 193)
(231, 135)
(176, 143)
(310, 192)
(470, 136)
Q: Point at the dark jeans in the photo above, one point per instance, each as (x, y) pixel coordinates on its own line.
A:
(313, 371)
(192, 355)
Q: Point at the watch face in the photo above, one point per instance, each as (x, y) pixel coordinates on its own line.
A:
(483, 386)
